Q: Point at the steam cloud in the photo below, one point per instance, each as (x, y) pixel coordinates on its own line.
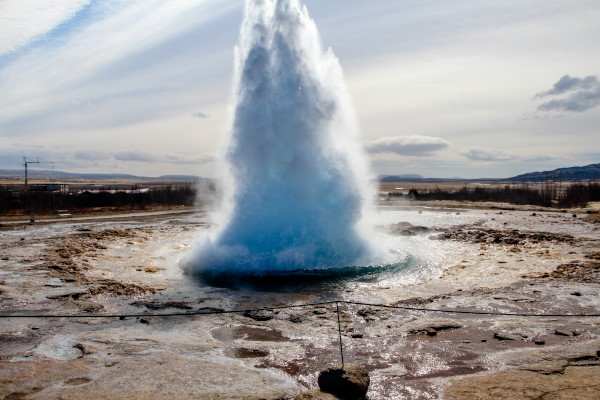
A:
(298, 174)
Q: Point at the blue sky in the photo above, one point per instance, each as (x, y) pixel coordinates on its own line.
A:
(440, 88)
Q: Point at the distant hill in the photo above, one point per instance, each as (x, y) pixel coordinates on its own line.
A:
(574, 174)
(71, 176)
(401, 178)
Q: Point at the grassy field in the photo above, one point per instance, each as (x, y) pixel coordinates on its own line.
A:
(102, 197)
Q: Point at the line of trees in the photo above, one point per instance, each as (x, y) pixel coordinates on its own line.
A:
(40, 202)
(549, 195)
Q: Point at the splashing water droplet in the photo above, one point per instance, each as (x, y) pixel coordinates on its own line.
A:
(301, 190)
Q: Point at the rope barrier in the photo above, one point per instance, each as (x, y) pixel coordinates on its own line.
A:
(474, 312)
(172, 314)
(271, 308)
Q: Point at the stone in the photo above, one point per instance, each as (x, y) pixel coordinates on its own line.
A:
(503, 336)
(259, 315)
(563, 333)
(431, 332)
(348, 383)
(315, 395)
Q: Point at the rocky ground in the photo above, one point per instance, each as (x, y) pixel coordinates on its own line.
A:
(502, 262)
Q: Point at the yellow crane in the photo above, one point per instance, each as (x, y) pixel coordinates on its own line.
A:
(26, 162)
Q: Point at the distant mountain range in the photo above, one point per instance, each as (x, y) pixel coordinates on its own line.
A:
(573, 174)
(71, 176)
(401, 178)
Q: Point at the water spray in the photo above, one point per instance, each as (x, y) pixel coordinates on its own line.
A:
(300, 188)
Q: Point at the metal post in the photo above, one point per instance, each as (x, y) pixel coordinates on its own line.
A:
(337, 307)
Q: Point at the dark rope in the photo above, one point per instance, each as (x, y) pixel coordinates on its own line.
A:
(172, 314)
(491, 313)
(272, 308)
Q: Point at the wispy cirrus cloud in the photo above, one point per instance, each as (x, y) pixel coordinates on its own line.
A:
(413, 145)
(23, 22)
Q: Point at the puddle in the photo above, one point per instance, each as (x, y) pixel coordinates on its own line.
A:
(249, 333)
(243, 352)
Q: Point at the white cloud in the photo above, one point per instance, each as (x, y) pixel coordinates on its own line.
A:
(25, 21)
(413, 145)
(485, 154)
(113, 75)
(135, 156)
(91, 155)
(170, 158)
(189, 159)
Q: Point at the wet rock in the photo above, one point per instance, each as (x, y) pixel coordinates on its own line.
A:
(432, 327)
(210, 310)
(509, 237)
(77, 381)
(296, 319)
(348, 383)
(563, 333)
(89, 307)
(504, 336)
(431, 332)
(81, 348)
(21, 395)
(367, 314)
(578, 271)
(593, 256)
(157, 305)
(249, 333)
(315, 395)
(291, 369)
(259, 315)
(249, 353)
(406, 229)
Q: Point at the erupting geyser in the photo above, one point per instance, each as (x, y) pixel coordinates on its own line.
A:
(300, 191)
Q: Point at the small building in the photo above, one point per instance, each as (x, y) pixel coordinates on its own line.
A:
(49, 188)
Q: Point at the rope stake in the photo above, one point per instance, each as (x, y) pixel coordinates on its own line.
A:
(337, 308)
